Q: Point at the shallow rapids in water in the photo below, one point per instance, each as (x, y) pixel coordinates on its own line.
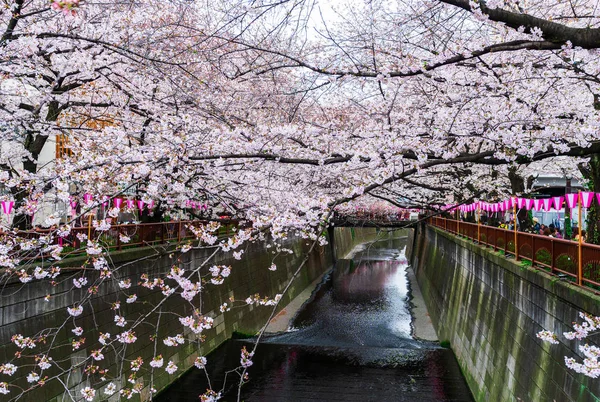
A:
(353, 341)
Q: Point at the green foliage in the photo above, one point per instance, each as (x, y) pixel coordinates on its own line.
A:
(591, 271)
(568, 228)
(525, 263)
(566, 263)
(445, 344)
(591, 224)
(529, 221)
(510, 247)
(591, 173)
(543, 256)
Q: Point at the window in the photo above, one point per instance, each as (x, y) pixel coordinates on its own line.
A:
(62, 146)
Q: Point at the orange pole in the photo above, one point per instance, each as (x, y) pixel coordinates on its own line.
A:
(89, 226)
(580, 265)
(516, 236)
(457, 223)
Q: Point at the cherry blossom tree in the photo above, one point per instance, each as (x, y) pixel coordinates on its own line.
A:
(277, 112)
(588, 327)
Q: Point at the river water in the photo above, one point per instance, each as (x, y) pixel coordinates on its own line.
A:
(353, 341)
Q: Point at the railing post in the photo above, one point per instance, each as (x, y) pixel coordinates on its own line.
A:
(162, 232)
(179, 233)
(552, 256)
(119, 237)
(495, 238)
(142, 234)
(532, 251)
(478, 224)
(89, 227)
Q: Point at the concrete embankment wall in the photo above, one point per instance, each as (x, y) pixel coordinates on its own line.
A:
(489, 309)
(345, 239)
(24, 311)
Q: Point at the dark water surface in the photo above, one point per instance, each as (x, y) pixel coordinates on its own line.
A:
(352, 342)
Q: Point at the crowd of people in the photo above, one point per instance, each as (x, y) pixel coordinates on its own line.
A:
(551, 230)
(532, 226)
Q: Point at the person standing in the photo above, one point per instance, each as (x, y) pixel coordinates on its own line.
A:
(536, 226)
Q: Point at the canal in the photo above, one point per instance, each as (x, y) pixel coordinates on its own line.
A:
(353, 341)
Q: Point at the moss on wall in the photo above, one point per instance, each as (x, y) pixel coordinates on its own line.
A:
(490, 308)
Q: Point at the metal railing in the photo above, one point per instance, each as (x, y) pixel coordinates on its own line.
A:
(363, 221)
(139, 235)
(578, 261)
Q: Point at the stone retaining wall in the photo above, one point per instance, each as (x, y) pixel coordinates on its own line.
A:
(23, 310)
(490, 308)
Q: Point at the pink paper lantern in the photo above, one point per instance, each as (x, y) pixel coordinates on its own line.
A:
(117, 202)
(140, 204)
(571, 200)
(520, 203)
(73, 204)
(537, 205)
(7, 207)
(558, 202)
(87, 198)
(586, 199)
(130, 204)
(547, 204)
(528, 203)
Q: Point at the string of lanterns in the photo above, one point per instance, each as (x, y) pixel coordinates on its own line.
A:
(585, 198)
(7, 206)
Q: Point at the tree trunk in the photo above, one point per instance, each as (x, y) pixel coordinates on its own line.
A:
(517, 186)
(591, 173)
(34, 143)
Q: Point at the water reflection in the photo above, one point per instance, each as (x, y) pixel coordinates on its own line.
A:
(352, 342)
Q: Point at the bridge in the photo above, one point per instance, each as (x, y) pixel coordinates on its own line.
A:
(370, 222)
